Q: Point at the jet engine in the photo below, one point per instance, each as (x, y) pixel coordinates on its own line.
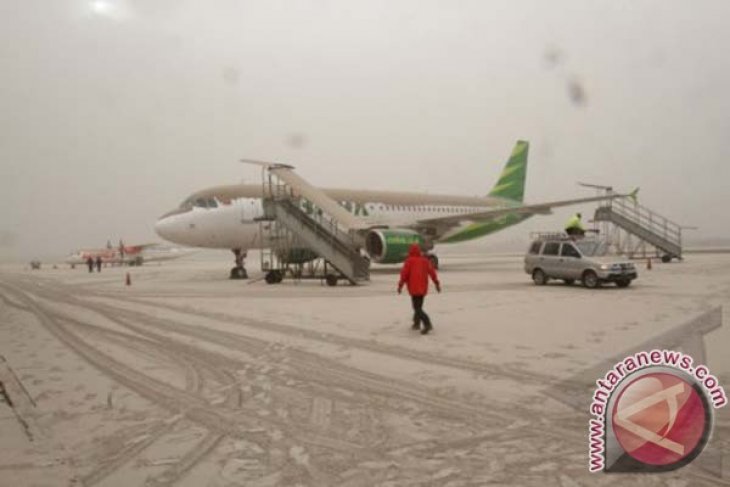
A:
(390, 246)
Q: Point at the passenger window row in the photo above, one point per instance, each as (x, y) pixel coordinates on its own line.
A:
(554, 248)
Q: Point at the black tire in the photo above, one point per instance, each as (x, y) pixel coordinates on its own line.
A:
(539, 277)
(569, 282)
(273, 277)
(623, 282)
(331, 280)
(235, 273)
(590, 280)
(666, 258)
(434, 261)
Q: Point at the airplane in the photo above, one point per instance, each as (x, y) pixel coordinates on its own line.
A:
(226, 216)
(127, 254)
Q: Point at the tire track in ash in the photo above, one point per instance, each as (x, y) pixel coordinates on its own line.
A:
(189, 351)
(313, 368)
(323, 366)
(516, 416)
(194, 381)
(429, 448)
(287, 330)
(301, 365)
(216, 419)
(194, 384)
(195, 367)
(519, 469)
(488, 370)
(192, 376)
(194, 456)
(123, 456)
(126, 455)
(516, 469)
(309, 367)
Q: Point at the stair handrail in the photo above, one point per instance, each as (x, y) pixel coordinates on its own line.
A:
(326, 228)
(644, 217)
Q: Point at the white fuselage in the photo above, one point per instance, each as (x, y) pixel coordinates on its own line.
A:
(234, 225)
(227, 226)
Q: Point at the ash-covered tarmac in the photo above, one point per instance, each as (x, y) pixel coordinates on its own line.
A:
(187, 378)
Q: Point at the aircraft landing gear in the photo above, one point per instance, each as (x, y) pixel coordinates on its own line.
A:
(274, 277)
(239, 272)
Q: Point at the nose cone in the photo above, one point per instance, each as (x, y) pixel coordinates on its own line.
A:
(167, 228)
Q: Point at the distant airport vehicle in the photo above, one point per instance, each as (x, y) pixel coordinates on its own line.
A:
(226, 216)
(35, 265)
(558, 256)
(128, 254)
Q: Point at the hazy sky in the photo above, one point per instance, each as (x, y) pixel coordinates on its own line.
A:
(112, 112)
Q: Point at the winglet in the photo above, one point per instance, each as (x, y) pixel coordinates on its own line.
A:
(634, 195)
(266, 164)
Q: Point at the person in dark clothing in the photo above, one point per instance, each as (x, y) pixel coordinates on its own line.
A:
(415, 273)
(98, 264)
(90, 263)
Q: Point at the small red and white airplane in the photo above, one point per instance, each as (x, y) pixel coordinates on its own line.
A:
(128, 254)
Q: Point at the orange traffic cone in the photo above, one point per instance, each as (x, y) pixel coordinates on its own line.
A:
(128, 280)
(648, 264)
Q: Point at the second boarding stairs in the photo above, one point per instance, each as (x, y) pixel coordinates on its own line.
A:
(646, 225)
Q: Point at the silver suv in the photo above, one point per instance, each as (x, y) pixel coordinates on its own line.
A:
(561, 257)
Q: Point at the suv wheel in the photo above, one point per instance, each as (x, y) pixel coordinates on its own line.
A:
(539, 277)
(590, 280)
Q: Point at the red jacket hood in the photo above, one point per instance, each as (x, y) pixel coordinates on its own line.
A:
(414, 250)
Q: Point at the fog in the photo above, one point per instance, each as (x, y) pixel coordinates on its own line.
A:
(114, 111)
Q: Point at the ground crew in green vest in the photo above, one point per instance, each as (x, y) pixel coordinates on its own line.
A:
(574, 227)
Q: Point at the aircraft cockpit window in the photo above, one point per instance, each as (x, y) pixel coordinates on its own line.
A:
(187, 204)
(201, 203)
(212, 203)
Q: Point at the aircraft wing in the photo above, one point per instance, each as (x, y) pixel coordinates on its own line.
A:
(92, 251)
(536, 209)
(140, 246)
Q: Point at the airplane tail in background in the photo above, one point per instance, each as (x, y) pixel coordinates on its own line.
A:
(511, 184)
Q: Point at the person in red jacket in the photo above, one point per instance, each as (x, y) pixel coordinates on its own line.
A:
(415, 273)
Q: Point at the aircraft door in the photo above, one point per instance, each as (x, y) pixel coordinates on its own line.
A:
(246, 211)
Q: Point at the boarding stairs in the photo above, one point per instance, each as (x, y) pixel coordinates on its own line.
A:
(641, 226)
(300, 213)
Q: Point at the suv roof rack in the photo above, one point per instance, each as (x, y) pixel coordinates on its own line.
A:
(562, 237)
(549, 236)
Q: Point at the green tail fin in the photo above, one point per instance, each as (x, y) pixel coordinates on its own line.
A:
(511, 184)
